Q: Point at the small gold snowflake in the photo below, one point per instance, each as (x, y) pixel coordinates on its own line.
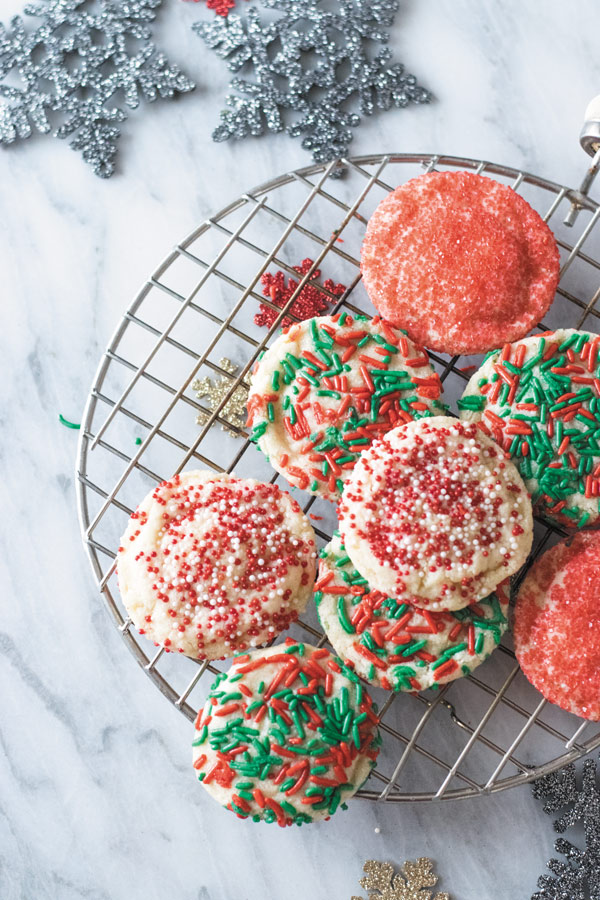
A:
(234, 411)
(384, 884)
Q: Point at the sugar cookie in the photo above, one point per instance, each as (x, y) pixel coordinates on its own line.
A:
(329, 386)
(557, 625)
(210, 564)
(397, 646)
(286, 736)
(434, 515)
(540, 399)
(459, 260)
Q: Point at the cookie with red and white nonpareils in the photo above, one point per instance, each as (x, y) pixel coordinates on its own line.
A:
(286, 736)
(557, 625)
(540, 399)
(435, 516)
(327, 388)
(211, 564)
(394, 645)
(459, 260)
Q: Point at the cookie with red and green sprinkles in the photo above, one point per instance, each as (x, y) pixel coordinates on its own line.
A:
(540, 399)
(327, 388)
(557, 625)
(394, 645)
(287, 735)
(211, 564)
(435, 515)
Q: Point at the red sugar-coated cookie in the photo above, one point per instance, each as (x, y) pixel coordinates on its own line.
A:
(557, 625)
(460, 261)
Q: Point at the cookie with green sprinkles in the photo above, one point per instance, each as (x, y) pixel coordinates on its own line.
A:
(327, 388)
(287, 735)
(397, 646)
(540, 399)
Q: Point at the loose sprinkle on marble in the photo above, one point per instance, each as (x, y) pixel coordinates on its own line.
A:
(311, 301)
(66, 422)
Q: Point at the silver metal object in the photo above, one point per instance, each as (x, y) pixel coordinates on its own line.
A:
(590, 133)
(478, 735)
(589, 139)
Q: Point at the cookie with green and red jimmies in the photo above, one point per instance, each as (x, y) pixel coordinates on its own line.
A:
(540, 400)
(397, 646)
(287, 735)
(327, 388)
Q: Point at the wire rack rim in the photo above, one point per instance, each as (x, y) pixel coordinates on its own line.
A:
(85, 437)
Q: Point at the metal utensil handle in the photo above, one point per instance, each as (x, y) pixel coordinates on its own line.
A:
(590, 133)
(589, 139)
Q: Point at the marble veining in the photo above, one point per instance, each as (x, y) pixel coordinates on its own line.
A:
(97, 798)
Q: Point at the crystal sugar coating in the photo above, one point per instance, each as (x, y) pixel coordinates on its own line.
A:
(557, 625)
(435, 516)
(397, 646)
(540, 399)
(286, 736)
(459, 260)
(211, 564)
(327, 388)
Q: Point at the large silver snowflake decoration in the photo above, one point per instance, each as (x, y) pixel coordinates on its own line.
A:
(383, 883)
(71, 62)
(306, 67)
(578, 877)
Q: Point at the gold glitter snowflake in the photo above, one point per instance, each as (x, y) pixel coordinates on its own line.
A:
(233, 412)
(383, 884)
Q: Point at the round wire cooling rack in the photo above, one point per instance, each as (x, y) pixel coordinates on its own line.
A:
(146, 419)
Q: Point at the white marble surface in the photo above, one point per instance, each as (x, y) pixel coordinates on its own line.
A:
(96, 796)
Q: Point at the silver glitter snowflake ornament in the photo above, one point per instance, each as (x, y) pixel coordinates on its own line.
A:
(76, 56)
(579, 877)
(306, 67)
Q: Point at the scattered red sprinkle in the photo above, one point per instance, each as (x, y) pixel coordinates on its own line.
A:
(310, 301)
(221, 7)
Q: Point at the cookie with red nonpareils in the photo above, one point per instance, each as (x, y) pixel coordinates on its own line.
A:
(211, 564)
(435, 516)
(459, 260)
(287, 735)
(540, 399)
(394, 645)
(557, 625)
(327, 388)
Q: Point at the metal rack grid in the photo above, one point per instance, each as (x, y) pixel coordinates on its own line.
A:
(474, 736)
